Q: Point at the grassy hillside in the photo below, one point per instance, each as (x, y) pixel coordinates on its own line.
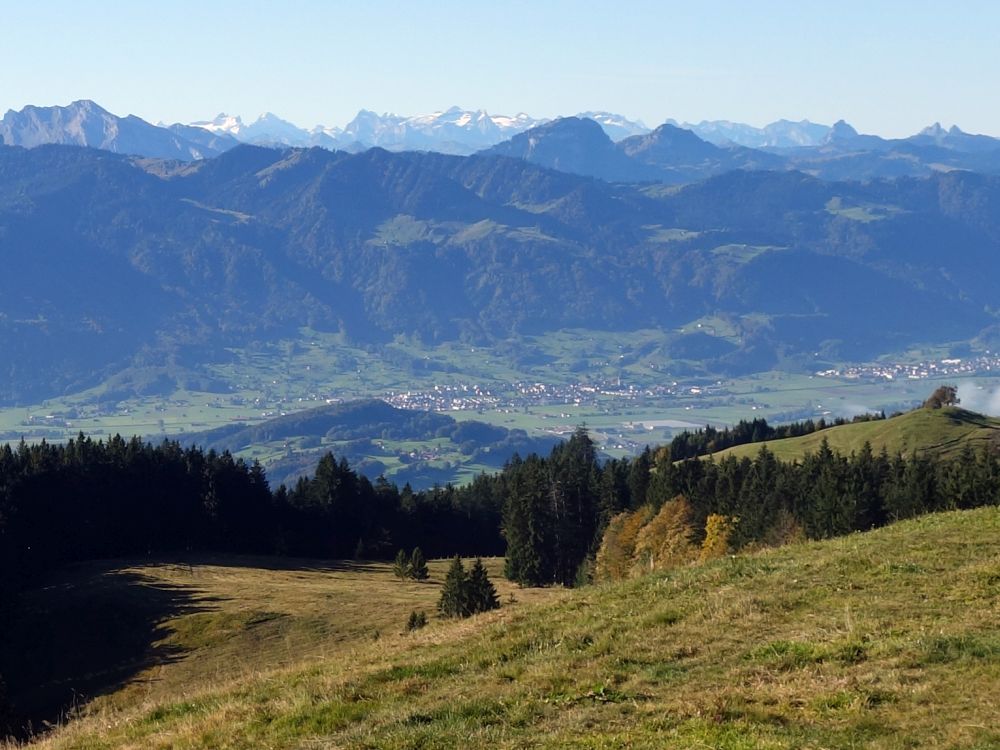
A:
(940, 431)
(881, 640)
(136, 633)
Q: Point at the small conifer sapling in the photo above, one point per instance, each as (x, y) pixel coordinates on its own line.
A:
(401, 566)
(418, 566)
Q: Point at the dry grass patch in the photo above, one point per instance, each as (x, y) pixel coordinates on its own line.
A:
(885, 640)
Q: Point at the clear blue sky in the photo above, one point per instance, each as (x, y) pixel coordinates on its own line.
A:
(887, 67)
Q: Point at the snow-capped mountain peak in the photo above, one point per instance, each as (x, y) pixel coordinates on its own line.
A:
(222, 123)
(616, 126)
(452, 130)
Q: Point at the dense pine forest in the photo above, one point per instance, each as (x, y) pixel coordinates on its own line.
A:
(126, 498)
(119, 498)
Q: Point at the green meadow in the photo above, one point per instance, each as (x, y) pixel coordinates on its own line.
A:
(885, 640)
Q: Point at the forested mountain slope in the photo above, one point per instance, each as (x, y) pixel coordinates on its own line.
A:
(109, 260)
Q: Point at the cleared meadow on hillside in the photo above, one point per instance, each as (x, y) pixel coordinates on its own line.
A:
(881, 640)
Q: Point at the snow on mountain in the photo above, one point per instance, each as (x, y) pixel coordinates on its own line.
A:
(516, 124)
(223, 123)
(779, 134)
(454, 130)
(616, 126)
(269, 129)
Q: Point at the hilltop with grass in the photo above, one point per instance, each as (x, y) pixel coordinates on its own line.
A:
(886, 639)
(941, 432)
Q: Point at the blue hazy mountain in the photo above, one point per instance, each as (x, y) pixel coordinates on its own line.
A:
(667, 154)
(109, 260)
(670, 153)
(778, 135)
(675, 155)
(84, 123)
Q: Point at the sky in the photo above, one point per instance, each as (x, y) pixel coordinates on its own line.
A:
(887, 67)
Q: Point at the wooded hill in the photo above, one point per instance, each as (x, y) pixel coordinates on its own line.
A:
(364, 424)
(257, 243)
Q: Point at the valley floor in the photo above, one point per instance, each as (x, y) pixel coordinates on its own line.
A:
(884, 640)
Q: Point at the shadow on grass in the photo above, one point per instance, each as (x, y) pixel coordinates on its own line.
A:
(85, 636)
(263, 562)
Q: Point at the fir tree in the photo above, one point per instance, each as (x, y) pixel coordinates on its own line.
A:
(638, 478)
(418, 566)
(401, 568)
(482, 594)
(416, 620)
(454, 600)
(528, 523)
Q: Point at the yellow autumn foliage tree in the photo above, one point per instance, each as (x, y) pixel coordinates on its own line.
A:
(718, 536)
(665, 542)
(614, 557)
(640, 541)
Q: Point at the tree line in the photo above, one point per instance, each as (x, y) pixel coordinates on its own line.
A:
(126, 498)
(701, 442)
(91, 499)
(704, 508)
(556, 509)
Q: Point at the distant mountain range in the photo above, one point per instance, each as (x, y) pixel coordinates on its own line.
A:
(453, 131)
(597, 144)
(674, 155)
(780, 134)
(110, 260)
(84, 123)
(461, 131)
(667, 154)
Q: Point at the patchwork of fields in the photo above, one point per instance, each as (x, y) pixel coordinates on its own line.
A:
(628, 389)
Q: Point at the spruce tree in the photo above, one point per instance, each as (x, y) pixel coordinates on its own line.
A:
(638, 478)
(482, 594)
(401, 568)
(528, 524)
(454, 600)
(418, 565)
(416, 620)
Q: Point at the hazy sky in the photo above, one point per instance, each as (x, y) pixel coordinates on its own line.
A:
(885, 66)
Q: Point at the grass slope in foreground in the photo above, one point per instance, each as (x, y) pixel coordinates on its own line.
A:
(942, 432)
(881, 640)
